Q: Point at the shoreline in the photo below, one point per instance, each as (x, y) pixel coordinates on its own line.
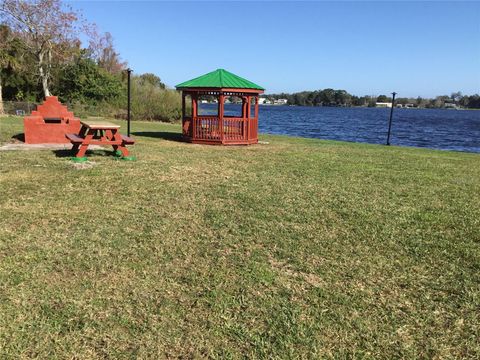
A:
(291, 136)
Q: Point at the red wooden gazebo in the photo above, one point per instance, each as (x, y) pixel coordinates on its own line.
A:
(221, 128)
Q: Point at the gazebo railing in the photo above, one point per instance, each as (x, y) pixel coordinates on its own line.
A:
(253, 128)
(206, 128)
(234, 128)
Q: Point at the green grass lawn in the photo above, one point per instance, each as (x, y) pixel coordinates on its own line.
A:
(297, 249)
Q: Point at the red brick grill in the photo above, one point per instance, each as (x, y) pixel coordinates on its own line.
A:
(49, 123)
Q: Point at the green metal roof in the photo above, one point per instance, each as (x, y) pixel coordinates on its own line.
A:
(219, 78)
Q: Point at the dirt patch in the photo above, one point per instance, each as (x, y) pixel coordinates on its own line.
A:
(84, 165)
(285, 270)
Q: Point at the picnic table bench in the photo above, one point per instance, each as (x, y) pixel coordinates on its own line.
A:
(99, 132)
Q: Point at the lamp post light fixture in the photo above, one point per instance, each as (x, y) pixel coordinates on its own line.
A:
(391, 115)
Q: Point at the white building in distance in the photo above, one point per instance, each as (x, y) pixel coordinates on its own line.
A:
(383, 104)
(262, 101)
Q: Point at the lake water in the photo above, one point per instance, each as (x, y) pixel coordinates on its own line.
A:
(431, 128)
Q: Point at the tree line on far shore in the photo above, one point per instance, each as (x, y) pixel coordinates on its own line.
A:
(41, 54)
(332, 97)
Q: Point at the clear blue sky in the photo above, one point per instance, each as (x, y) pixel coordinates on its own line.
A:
(366, 48)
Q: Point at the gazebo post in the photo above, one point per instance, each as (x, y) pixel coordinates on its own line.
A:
(194, 114)
(183, 105)
(255, 127)
(221, 104)
(244, 113)
(194, 105)
(244, 108)
(183, 114)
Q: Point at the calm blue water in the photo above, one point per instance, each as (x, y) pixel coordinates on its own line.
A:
(437, 129)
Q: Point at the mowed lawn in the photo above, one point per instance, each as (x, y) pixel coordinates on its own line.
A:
(298, 248)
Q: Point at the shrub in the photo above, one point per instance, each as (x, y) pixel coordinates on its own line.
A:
(151, 102)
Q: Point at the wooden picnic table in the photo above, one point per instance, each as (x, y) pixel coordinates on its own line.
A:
(99, 132)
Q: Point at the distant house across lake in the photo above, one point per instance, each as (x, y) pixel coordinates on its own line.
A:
(266, 101)
(383, 104)
(450, 105)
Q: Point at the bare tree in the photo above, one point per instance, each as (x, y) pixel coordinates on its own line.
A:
(49, 29)
(103, 52)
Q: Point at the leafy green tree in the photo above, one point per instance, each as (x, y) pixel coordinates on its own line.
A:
(383, 98)
(371, 101)
(420, 102)
(7, 59)
(299, 99)
(85, 81)
(327, 96)
(474, 101)
(152, 79)
(342, 97)
(310, 98)
(356, 101)
(16, 82)
(402, 101)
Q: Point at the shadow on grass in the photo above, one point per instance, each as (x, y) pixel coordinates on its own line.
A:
(97, 152)
(165, 135)
(19, 137)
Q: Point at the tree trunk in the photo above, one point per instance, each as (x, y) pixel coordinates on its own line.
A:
(46, 91)
(43, 74)
(2, 111)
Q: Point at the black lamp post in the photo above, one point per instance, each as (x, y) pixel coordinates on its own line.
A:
(391, 114)
(129, 71)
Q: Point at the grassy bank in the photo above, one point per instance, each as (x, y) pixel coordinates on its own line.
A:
(298, 248)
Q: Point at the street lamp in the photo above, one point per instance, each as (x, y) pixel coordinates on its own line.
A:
(391, 114)
(129, 71)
